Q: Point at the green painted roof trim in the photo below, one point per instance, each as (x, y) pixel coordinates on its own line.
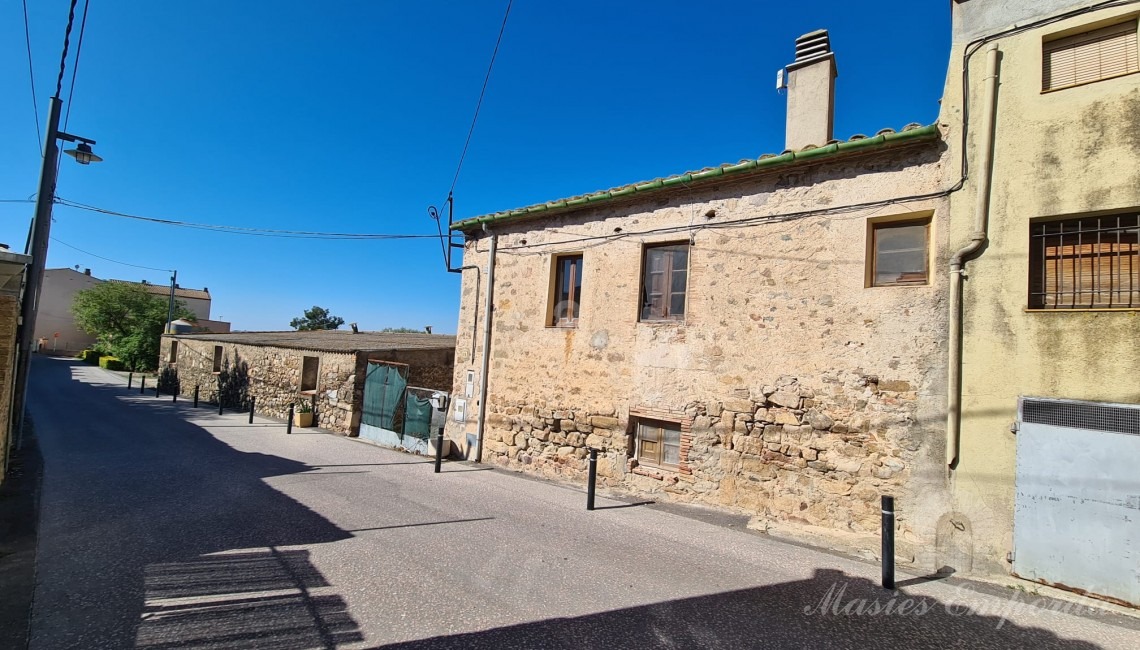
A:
(764, 163)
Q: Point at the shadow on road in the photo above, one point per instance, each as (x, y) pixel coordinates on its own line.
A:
(141, 516)
(830, 610)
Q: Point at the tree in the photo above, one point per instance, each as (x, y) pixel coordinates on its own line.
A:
(126, 321)
(317, 318)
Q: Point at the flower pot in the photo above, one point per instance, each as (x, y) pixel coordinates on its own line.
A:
(303, 419)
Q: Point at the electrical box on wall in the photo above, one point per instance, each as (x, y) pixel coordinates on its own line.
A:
(469, 389)
(460, 412)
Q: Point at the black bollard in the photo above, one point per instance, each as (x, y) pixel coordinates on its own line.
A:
(289, 422)
(592, 479)
(219, 403)
(888, 542)
(251, 403)
(157, 386)
(174, 396)
(142, 385)
(438, 450)
(130, 379)
(195, 396)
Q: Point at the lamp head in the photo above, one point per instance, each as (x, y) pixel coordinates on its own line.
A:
(82, 154)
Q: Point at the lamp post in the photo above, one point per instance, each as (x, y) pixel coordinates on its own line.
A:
(41, 231)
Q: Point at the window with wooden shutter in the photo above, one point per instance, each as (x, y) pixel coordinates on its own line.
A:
(659, 443)
(567, 290)
(1086, 263)
(664, 282)
(1091, 56)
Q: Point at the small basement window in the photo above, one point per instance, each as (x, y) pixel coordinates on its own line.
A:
(658, 443)
(309, 368)
(1090, 56)
(173, 357)
(900, 253)
(1085, 263)
(217, 358)
(567, 291)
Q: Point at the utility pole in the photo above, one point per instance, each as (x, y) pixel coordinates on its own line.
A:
(38, 248)
(169, 329)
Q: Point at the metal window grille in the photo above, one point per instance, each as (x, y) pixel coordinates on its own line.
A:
(1085, 263)
(1082, 415)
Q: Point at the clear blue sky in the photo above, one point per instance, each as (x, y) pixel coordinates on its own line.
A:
(350, 117)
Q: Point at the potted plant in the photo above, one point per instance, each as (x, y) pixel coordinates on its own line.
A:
(303, 416)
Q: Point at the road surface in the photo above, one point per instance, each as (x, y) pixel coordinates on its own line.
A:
(164, 526)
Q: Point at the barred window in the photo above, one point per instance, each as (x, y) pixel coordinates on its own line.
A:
(1085, 263)
(1090, 56)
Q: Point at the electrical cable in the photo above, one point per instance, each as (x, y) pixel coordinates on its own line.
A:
(482, 92)
(75, 67)
(66, 42)
(242, 230)
(32, 78)
(107, 259)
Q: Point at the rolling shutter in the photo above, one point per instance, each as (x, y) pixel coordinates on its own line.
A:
(1082, 58)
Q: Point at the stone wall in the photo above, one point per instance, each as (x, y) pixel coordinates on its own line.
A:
(9, 315)
(803, 394)
(273, 378)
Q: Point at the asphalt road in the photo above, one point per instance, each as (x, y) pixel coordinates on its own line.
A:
(164, 526)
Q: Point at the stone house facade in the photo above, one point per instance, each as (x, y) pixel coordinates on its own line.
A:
(326, 368)
(765, 336)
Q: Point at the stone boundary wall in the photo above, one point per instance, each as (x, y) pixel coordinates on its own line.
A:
(273, 378)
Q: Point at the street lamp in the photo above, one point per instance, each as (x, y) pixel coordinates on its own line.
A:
(41, 232)
(82, 152)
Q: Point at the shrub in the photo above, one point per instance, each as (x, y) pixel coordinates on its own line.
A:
(111, 363)
(91, 356)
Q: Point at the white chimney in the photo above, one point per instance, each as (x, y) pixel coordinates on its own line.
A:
(811, 92)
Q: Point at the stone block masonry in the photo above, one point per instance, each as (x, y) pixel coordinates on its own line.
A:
(276, 376)
(799, 392)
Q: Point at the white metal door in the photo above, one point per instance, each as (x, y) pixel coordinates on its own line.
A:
(1077, 506)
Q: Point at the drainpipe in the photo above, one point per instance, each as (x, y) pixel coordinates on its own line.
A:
(977, 240)
(479, 425)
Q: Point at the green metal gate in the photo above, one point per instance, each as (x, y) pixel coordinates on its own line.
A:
(384, 385)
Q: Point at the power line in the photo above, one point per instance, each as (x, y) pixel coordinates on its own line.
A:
(75, 68)
(32, 77)
(66, 42)
(107, 259)
(479, 104)
(242, 230)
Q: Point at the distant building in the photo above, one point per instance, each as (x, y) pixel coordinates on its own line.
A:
(55, 323)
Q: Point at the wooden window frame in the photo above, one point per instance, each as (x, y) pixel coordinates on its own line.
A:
(316, 375)
(553, 318)
(1087, 257)
(657, 459)
(873, 228)
(219, 356)
(1085, 35)
(643, 289)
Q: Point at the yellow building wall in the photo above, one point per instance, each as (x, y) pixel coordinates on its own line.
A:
(1068, 152)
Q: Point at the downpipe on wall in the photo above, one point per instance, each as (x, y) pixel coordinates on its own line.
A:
(489, 306)
(977, 239)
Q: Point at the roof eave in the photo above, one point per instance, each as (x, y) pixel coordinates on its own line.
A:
(743, 169)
